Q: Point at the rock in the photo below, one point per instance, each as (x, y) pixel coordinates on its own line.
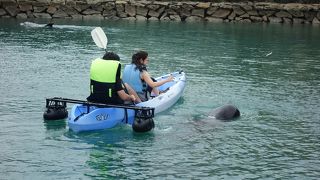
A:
(238, 11)
(203, 5)
(60, 14)
(141, 18)
(153, 19)
(39, 9)
(2, 12)
(309, 16)
(25, 7)
(153, 13)
(90, 12)
(153, 7)
(42, 15)
(93, 17)
(298, 20)
(22, 16)
(130, 18)
(253, 13)
(221, 13)
(130, 10)
(292, 6)
(232, 16)
(142, 11)
(247, 7)
(51, 9)
(198, 12)
(215, 20)
(287, 20)
(77, 16)
(12, 10)
(266, 13)
(109, 13)
(283, 14)
(246, 15)
(193, 19)
(265, 19)
(212, 10)
(256, 18)
(275, 20)
(296, 13)
(175, 17)
(315, 21)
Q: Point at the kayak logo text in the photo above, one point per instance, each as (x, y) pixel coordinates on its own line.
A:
(102, 117)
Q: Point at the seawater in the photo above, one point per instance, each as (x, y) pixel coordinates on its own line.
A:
(271, 72)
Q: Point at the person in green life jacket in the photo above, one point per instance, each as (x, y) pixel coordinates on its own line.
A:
(137, 76)
(105, 82)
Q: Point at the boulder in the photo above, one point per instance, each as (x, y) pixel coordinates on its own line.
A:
(296, 13)
(22, 16)
(25, 7)
(203, 5)
(315, 21)
(141, 18)
(213, 19)
(298, 20)
(93, 17)
(2, 12)
(193, 19)
(60, 14)
(198, 12)
(39, 9)
(42, 15)
(142, 11)
(51, 9)
(130, 10)
(175, 17)
(238, 11)
(266, 13)
(221, 13)
(12, 10)
(212, 10)
(283, 14)
(275, 20)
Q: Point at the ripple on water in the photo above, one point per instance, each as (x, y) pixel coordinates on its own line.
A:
(276, 136)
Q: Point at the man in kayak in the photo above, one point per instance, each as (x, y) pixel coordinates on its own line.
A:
(137, 76)
(105, 82)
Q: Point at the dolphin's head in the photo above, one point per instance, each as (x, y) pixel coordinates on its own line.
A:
(226, 112)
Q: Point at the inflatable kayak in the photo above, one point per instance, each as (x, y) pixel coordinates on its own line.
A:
(87, 118)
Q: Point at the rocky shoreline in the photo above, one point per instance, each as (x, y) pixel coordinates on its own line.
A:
(263, 12)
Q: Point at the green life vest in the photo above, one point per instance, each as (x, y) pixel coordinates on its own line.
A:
(103, 77)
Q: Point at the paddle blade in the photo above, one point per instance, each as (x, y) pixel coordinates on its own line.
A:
(99, 37)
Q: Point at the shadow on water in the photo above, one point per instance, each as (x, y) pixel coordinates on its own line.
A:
(55, 125)
(115, 151)
(114, 136)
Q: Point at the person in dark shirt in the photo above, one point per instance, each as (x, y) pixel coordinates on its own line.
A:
(105, 82)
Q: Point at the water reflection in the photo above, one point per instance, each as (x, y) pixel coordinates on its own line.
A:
(116, 152)
(55, 124)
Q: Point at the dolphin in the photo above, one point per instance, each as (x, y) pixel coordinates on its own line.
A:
(50, 25)
(225, 112)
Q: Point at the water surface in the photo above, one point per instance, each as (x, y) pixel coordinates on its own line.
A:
(270, 72)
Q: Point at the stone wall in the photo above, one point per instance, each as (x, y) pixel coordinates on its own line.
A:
(164, 11)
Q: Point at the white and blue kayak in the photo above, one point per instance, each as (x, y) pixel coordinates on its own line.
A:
(84, 117)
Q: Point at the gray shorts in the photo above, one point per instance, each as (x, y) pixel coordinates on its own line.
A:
(142, 96)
